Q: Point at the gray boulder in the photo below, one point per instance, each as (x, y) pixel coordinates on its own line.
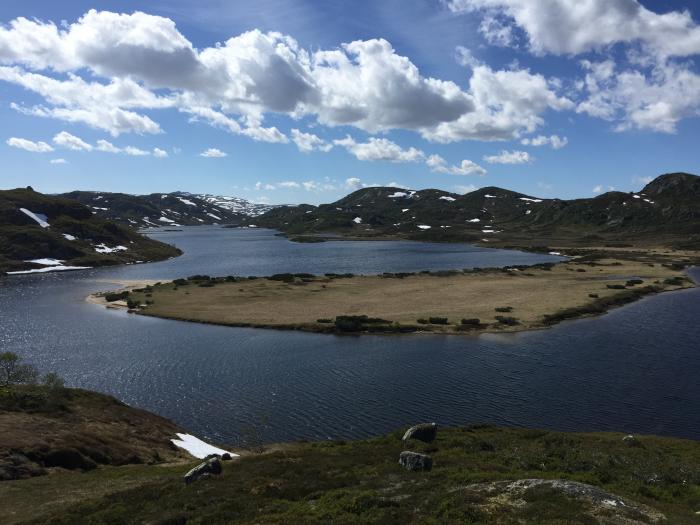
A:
(426, 432)
(631, 441)
(415, 461)
(209, 467)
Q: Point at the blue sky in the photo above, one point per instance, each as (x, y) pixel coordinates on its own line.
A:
(288, 101)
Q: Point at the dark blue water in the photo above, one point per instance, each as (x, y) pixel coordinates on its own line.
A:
(636, 369)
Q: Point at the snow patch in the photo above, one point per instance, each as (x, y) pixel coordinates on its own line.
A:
(69, 237)
(474, 220)
(398, 194)
(50, 269)
(404, 210)
(446, 198)
(530, 200)
(528, 212)
(47, 262)
(38, 217)
(103, 248)
(214, 216)
(554, 253)
(185, 201)
(490, 196)
(162, 219)
(357, 220)
(424, 226)
(198, 448)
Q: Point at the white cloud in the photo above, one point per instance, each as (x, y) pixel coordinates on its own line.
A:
(66, 140)
(509, 157)
(555, 141)
(159, 153)
(135, 152)
(636, 99)
(380, 149)
(288, 184)
(308, 142)
(29, 145)
(465, 189)
(58, 161)
(213, 153)
(353, 183)
(573, 26)
(599, 189)
(467, 167)
(106, 146)
(138, 62)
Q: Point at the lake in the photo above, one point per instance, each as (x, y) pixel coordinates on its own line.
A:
(635, 369)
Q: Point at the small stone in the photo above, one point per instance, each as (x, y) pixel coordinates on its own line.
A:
(426, 432)
(226, 457)
(415, 461)
(631, 441)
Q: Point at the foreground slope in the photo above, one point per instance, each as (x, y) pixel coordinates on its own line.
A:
(667, 209)
(480, 475)
(38, 232)
(169, 209)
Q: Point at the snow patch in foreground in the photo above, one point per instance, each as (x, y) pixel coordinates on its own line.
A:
(198, 448)
(103, 248)
(38, 217)
(51, 269)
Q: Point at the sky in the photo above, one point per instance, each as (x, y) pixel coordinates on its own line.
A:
(290, 101)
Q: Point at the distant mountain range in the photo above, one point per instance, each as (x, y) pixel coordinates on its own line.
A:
(168, 209)
(666, 208)
(40, 233)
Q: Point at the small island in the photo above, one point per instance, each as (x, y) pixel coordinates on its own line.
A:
(470, 301)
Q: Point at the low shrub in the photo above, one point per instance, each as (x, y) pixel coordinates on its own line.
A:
(616, 286)
(206, 284)
(633, 282)
(438, 320)
(470, 322)
(116, 296)
(422, 321)
(132, 303)
(284, 277)
(509, 321)
(198, 278)
(593, 295)
(356, 323)
(324, 321)
(504, 309)
(180, 282)
(674, 281)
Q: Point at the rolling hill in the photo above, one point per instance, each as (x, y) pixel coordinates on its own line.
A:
(666, 208)
(168, 209)
(40, 233)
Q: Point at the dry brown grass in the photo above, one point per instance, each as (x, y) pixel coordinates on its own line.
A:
(532, 293)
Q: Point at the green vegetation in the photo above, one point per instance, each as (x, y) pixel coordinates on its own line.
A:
(339, 482)
(668, 214)
(73, 235)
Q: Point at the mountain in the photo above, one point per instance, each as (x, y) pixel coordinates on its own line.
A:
(668, 206)
(41, 233)
(168, 209)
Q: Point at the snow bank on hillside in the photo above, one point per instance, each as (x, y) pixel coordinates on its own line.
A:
(51, 269)
(198, 448)
(38, 217)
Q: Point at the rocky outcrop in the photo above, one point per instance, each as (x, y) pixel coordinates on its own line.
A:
(414, 461)
(594, 503)
(209, 467)
(426, 432)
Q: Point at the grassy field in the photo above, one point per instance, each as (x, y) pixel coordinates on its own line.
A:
(493, 300)
(361, 482)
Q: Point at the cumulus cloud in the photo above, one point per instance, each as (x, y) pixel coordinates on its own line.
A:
(308, 142)
(599, 189)
(159, 153)
(29, 145)
(213, 153)
(555, 141)
(139, 62)
(466, 189)
(574, 27)
(58, 161)
(509, 157)
(66, 140)
(380, 149)
(353, 183)
(467, 167)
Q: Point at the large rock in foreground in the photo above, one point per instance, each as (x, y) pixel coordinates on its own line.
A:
(209, 467)
(415, 461)
(426, 432)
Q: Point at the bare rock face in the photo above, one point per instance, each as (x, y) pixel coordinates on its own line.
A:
(426, 432)
(415, 461)
(209, 467)
(594, 503)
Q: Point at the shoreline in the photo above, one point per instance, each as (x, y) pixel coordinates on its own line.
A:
(541, 296)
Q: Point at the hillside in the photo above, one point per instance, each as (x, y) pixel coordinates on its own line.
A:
(169, 209)
(480, 474)
(667, 209)
(40, 232)
(48, 428)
